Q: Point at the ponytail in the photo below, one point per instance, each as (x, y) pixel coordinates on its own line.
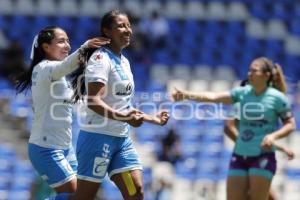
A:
(23, 81)
(78, 76)
(278, 79)
(84, 55)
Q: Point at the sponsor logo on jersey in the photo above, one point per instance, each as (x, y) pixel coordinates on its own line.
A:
(247, 135)
(125, 91)
(100, 166)
(263, 163)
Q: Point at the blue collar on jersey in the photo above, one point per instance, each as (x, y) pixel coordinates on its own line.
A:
(113, 56)
(117, 60)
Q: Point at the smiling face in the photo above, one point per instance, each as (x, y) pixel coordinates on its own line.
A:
(119, 32)
(59, 47)
(257, 76)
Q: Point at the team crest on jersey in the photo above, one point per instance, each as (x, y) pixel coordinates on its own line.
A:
(263, 163)
(97, 57)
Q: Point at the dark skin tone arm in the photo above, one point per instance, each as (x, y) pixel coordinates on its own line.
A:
(95, 92)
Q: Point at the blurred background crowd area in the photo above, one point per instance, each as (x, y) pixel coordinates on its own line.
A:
(191, 44)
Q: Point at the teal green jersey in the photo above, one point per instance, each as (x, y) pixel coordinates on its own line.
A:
(258, 116)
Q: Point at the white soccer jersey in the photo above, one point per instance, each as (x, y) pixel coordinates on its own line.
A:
(105, 67)
(51, 95)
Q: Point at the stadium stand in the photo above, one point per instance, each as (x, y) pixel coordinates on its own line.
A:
(209, 46)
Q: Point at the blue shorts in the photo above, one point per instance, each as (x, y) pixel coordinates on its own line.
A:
(262, 165)
(55, 166)
(98, 154)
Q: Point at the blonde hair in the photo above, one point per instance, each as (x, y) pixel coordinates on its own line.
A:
(277, 79)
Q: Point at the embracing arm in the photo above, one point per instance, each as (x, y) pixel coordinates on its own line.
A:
(70, 63)
(65, 67)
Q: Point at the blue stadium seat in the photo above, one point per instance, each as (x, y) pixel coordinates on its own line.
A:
(186, 169)
(281, 11)
(40, 22)
(234, 29)
(175, 27)
(189, 133)
(274, 45)
(5, 84)
(19, 107)
(296, 13)
(192, 27)
(208, 169)
(206, 56)
(23, 25)
(4, 23)
(148, 134)
(163, 56)
(19, 194)
(213, 27)
(5, 180)
(185, 57)
(293, 173)
(154, 86)
(211, 41)
(66, 23)
(294, 27)
(260, 10)
(189, 149)
(7, 152)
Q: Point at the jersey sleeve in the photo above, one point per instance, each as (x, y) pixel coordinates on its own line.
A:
(236, 94)
(60, 69)
(284, 109)
(98, 68)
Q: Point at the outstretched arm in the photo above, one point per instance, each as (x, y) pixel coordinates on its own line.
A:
(215, 97)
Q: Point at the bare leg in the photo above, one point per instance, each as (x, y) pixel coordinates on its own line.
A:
(86, 190)
(237, 187)
(259, 187)
(130, 191)
(69, 187)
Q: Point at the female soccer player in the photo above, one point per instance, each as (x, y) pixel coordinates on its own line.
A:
(104, 145)
(50, 149)
(262, 103)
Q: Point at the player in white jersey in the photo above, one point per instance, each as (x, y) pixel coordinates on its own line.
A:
(50, 148)
(104, 145)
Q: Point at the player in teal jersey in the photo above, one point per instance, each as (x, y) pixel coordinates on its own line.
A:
(261, 104)
(231, 131)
